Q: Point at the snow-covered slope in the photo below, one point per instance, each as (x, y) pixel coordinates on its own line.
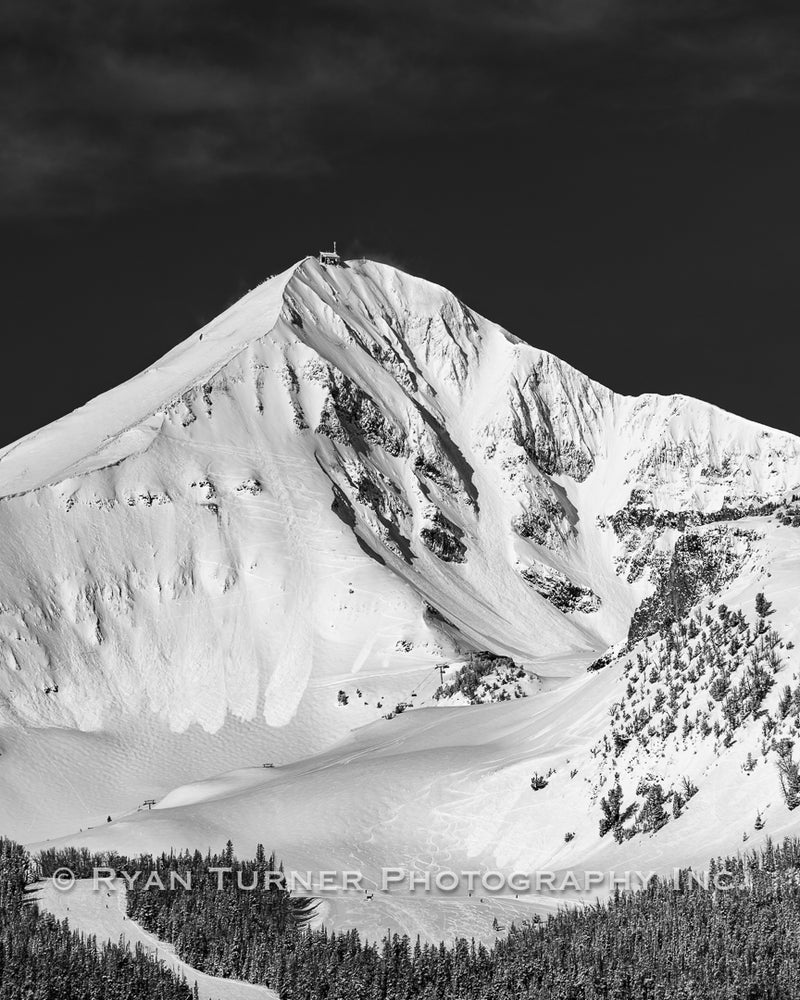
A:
(449, 788)
(345, 479)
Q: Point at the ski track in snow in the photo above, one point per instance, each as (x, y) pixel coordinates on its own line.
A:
(102, 913)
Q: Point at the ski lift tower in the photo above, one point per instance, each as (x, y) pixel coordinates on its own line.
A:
(330, 257)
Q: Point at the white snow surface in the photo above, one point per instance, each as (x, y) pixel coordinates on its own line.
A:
(124, 421)
(200, 560)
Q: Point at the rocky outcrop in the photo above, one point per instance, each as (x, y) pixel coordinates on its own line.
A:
(352, 417)
(443, 537)
(559, 590)
(701, 564)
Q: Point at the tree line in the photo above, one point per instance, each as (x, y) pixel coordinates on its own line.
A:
(669, 940)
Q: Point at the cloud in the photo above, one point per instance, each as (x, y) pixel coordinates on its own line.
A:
(113, 102)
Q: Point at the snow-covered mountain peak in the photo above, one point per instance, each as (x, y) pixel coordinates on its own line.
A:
(348, 470)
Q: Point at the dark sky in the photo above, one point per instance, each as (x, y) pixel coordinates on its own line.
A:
(613, 180)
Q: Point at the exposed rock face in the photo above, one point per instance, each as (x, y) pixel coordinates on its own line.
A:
(561, 592)
(556, 429)
(639, 525)
(350, 415)
(701, 564)
(443, 537)
(546, 523)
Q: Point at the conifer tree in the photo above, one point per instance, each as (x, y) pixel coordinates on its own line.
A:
(763, 606)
